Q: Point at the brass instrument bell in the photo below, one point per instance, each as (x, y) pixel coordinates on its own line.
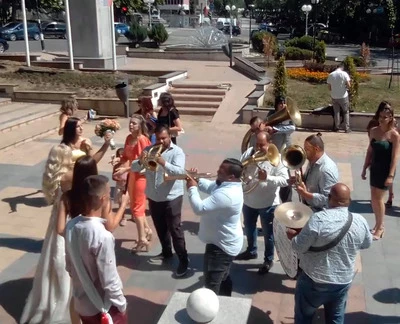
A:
(150, 160)
(290, 112)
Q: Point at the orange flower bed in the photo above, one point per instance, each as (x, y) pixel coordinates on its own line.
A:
(315, 77)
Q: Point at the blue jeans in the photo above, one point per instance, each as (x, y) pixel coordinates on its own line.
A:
(310, 296)
(250, 216)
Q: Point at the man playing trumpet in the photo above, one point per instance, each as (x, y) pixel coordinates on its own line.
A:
(166, 197)
(261, 201)
(220, 227)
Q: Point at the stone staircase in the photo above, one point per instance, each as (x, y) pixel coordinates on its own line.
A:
(21, 122)
(198, 98)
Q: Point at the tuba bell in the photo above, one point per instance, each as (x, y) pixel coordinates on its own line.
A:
(249, 183)
(290, 112)
(150, 160)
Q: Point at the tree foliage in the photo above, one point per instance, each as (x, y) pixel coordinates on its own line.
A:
(158, 34)
(280, 79)
(350, 67)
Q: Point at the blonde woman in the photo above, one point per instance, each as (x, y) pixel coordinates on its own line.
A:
(49, 299)
(68, 109)
(135, 143)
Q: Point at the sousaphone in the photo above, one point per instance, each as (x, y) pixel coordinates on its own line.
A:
(290, 112)
(289, 215)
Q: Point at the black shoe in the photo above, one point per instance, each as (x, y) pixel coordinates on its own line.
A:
(162, 257)
(348, 131)
(182, 268)
(247, 255)
(267, 265)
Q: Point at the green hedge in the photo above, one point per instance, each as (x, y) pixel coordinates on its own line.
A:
(295, 53)
(305, 42)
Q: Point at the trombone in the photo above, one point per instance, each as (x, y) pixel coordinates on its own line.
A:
(188, 174)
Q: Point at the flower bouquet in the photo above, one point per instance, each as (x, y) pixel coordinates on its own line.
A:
(107, 126)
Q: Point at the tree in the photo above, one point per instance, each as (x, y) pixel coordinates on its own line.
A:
(350, 67)
(158, 34)
(269, 46)
(280, 79)
(136, 34)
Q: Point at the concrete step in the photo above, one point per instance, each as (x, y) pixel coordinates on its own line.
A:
(5, 101)
(18, 114)
(196, 104)
(198, 97)
(29, 133)
(197, 91)
(195, 111)
(199, 85)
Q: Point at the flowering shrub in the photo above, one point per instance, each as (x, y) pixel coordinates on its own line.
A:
(304, 74)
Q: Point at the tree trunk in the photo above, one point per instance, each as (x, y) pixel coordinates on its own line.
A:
(392, 72)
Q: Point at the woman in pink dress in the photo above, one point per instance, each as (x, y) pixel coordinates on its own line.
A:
(135, 143)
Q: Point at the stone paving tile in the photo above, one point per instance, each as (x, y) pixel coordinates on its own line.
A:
(149, 286)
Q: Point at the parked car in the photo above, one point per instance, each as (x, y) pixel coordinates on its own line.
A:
(235, 30)
(269, 28)
(120, 28)
(3, 45)
(15, 30)
(396, 42)
(55, 30)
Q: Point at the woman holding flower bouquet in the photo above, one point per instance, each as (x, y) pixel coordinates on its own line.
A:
(72, 136)
(135, 143)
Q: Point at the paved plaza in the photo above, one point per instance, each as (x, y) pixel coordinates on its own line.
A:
(374, 296)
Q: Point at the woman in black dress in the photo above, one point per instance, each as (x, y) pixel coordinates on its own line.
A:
(381, 159)
(168, 115)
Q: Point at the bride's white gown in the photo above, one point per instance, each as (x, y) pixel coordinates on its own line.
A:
(48, 301)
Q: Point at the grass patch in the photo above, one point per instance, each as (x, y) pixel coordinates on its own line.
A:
(371, 93)
(85, 84)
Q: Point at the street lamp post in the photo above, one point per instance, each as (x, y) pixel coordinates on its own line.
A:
(251, 6)
(230, 9)
(149, 3)
(306, 9)
(314, 2)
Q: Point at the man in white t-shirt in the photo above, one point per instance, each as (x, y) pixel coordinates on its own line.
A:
(338, 83)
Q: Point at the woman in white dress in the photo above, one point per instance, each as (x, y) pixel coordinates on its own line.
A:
(49, 299)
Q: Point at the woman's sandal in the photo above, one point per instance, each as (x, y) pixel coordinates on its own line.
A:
(389, 203)
(141, 246)
(149, 234)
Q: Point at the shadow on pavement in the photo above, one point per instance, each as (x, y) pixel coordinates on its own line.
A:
(143, 309)
(388, 296)
(13, 295)
(364, 207)
(365, 318)
(191, 227)
(24, 200)
(22, 244)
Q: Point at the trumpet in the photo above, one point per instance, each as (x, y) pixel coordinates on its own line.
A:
(150, 159)
(188, 174)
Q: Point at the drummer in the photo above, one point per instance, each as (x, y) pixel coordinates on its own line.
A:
(321, 174)
(327, 246)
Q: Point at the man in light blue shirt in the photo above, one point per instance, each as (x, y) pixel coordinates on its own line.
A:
(321, 174)
(166, 197)
(220, 227)
(328, 270)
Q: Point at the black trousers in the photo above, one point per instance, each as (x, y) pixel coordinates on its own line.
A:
(285, 194)
(166, 217)
(217, 265)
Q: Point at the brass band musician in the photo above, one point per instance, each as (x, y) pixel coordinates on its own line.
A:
(321, 174)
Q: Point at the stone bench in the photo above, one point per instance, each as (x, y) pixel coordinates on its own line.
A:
(249, 68)
(8, 88)
(231, 310)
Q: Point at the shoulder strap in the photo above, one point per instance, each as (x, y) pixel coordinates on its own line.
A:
(338, 238)
(71, 244)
